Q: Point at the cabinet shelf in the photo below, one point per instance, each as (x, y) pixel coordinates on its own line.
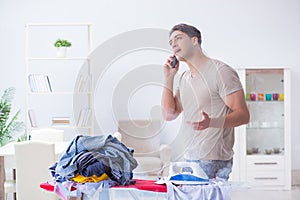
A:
(55, 58)
(265, 128)
(63, 127)
(59, 93)
(268, 130)
(265, 155)
(70, 126)
(262, 102)
(59, 86)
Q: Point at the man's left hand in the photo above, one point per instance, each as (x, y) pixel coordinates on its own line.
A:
(201, 125)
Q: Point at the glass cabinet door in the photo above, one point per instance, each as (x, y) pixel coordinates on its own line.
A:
(265, 99)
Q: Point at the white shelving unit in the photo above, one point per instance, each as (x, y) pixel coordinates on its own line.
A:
(263, 147)
(67, 96)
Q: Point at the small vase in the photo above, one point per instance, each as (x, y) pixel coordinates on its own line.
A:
(61, 52)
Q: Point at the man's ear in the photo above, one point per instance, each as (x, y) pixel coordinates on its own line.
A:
(195, 40)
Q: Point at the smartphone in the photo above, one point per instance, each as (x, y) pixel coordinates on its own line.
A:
(174, 62)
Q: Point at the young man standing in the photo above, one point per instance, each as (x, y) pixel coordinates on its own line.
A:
(210, 97)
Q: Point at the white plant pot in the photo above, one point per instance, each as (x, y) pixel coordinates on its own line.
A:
(61, 52)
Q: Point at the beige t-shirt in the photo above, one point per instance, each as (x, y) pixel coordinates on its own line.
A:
(206, 92)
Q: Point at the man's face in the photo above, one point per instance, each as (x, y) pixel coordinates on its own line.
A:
(181, 45)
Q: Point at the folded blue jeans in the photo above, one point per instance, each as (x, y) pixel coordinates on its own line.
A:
(218, 169)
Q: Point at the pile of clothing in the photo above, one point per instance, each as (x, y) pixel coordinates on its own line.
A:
(93, 159)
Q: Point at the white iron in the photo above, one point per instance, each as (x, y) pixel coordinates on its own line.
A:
(187, 173)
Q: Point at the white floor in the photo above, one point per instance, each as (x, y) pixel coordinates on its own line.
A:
(293, 194)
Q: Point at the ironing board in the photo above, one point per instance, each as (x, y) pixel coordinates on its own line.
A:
(142, 185)
(212, 191)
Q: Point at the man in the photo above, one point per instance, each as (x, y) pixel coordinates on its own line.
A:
(211, 98)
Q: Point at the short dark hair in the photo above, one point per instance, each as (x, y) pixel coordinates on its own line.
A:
(191, 31)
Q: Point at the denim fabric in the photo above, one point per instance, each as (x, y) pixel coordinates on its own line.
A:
(219, 169)
(106, 149)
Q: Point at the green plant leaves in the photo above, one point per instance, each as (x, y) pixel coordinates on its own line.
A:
(62, 43)
(8, 127)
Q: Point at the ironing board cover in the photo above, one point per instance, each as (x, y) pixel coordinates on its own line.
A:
(148, 185)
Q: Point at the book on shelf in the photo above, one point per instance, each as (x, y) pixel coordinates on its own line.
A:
(83, 83)
(84, 117)
(48, 84)
(32, 118)
(39, 83)
(61, 121)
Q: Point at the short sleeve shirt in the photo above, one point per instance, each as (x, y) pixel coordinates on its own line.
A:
(206, 92)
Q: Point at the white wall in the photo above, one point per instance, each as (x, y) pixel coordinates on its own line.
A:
(242, 33)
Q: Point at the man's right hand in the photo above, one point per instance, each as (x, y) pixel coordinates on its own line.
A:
(168, 69)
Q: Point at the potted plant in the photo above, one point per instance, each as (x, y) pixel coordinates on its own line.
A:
(62, 45)
(8, 126)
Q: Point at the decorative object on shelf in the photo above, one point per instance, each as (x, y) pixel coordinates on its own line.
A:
(62, 45)
(268, 97)
(276, 150)
(281, 97)
(252, 96)
(254, 150)
(268, 151)
(249, 151)
(275, 96)
(247, 96)
(8, 127)
(260, 96)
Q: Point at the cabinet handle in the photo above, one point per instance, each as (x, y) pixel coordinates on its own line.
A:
(265, 178)
(265, 163)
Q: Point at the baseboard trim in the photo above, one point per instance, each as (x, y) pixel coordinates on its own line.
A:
(295, 177)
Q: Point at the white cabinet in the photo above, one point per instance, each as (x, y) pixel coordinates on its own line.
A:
(264, 149)
(58, 88)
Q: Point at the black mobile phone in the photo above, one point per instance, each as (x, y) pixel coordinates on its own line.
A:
(174, 62)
